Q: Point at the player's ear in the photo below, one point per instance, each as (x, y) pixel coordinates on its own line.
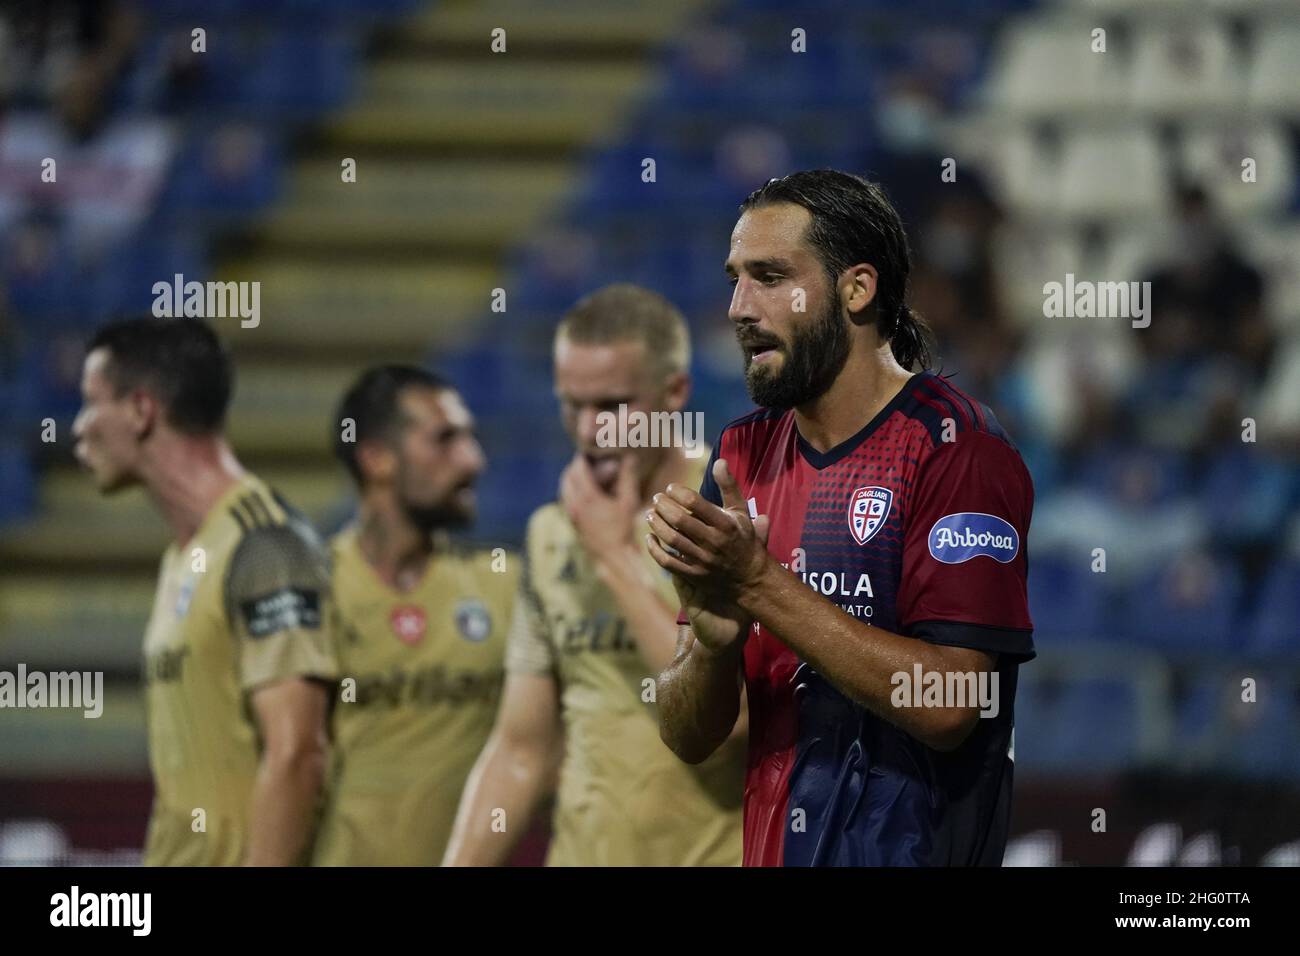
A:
(145, 410)
(677, 391)
(377, 460)
(858, 289)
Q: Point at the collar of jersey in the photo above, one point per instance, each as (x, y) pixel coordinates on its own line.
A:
(242, 485)
(824, 459)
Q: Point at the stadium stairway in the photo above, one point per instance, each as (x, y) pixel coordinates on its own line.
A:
(460, 154)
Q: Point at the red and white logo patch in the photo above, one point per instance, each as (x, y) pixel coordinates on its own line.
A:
(409, 624)
(868, 511)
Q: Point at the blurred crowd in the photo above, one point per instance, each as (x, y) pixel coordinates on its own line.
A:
(1171, 448)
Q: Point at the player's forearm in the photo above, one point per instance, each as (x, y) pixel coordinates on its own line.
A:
(859, 659)
(699, 700)
(500, 797)
(285, 796)
(650, 619)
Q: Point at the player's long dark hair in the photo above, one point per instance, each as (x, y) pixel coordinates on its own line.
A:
(853, 221)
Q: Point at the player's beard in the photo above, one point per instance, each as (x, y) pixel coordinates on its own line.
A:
(814, 358)
(445, 513)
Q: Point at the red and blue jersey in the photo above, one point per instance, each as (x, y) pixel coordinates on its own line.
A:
(917, 525)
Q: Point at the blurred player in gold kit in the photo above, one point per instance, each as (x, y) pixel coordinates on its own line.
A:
(595, 622)
(237, 654)
(422, 623)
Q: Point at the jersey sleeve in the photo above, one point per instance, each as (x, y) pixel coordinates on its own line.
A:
(529, 649)
(964, 551)
(278, 603)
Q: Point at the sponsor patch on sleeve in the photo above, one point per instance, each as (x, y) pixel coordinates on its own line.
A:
(283, 610)
(971, 534)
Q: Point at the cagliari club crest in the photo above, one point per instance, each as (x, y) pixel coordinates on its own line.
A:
(868, 511)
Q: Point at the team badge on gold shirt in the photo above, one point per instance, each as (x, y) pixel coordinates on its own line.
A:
(409, 624)
(473, 620)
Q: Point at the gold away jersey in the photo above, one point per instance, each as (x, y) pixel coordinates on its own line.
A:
(246, 602)
(624, 798)
(428, 668)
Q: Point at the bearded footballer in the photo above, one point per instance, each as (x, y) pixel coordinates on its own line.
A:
(867, 521)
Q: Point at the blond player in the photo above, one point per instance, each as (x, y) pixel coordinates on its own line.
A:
(237, 654)
(594, 625)
(423, 623)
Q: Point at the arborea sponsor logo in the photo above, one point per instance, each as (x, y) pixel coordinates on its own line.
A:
(970, 534)
(83, 690)
(75, 908)
(638, 429)
(208, 300)
(922, 688)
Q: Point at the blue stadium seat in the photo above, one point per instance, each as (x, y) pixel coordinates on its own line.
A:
(17, 480)
(948, 11)
(38, 289)
(1067, 601)
(480, 374)
(1246, 495)
(1275, 629)
(614, 185)
(1036, 728)
(259, 71)
(301, 11)
(1198, 719)
(511, 489)
(1120, 472)
(1097, 722)
(1263, 737)
(1189, 605)
(125, 282)
(202, 182)
(301, 75)
(200, 11)
(1081, 726)
(351, 9)
(836, 68)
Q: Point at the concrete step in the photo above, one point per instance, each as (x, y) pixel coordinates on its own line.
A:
(583, 27)
(77, 528)
(64, 743)
(367, 308)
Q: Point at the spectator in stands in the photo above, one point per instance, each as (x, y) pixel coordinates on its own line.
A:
(48, 49)
(59, 74)
(1209, 341)
(1207, 297)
